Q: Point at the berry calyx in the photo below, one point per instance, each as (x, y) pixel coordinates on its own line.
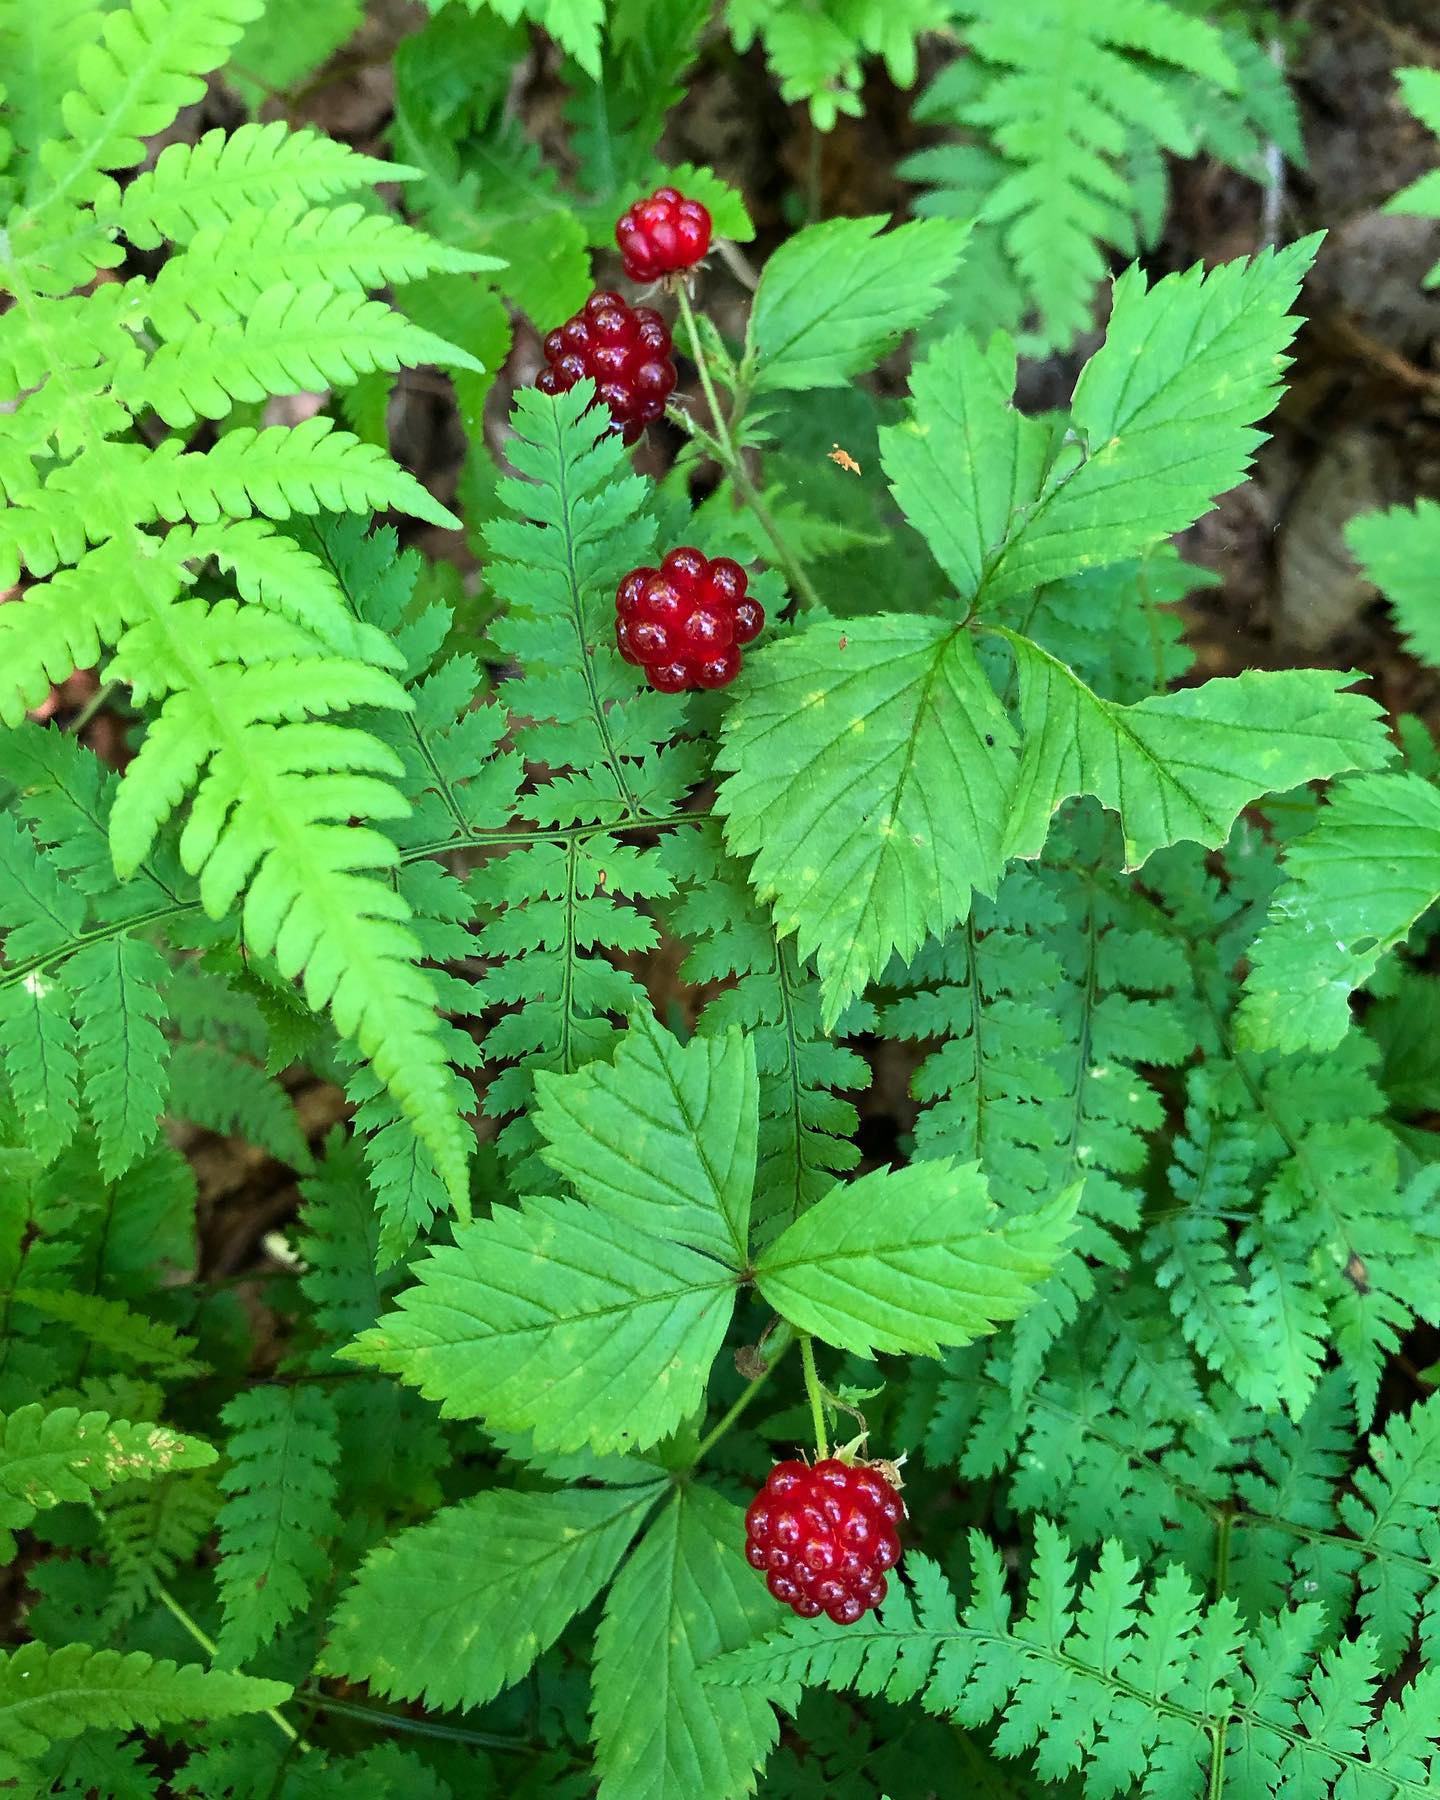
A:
(628, 352)
(823, 1537)
(662, 235)
(686, 622)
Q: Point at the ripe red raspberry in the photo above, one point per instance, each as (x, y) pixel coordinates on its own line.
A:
(684, 623)
(628, 352)
(662, 234)
(824, 1537)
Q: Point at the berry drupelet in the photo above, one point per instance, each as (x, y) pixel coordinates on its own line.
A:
(662, 235)
(824, 1537)
(685, 622)
(628, 352)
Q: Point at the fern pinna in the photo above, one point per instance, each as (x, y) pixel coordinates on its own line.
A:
(961, 1083)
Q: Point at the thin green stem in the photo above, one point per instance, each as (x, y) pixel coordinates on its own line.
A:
(208, 1645)
(782, 1340)
(723, 448)
(383, 1720)
(812, 1388)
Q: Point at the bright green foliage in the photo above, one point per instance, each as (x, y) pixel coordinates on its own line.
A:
(1180, 766)
(1162, 419)
(685, 1169)
(804, 1126)
(973, 882)
(574, 24)
(815, 52)
(1071, 104)
(46, 1696)
(1354, 887)
(612, 1350)
(863, 783)
(1421, 89)
(280, 1511)
(432, 1614)
(907, 1260)
(231, 317)
(683, 1598)
(50, 1456)
(832, 301)
(1136, 1689)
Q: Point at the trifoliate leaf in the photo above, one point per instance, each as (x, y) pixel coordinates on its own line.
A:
(554, 1318)
(870, 771)
(1354, 886)
(835, 297)
(453, 1610)
(1163, 422)
(686, 1595)
(1180, 766)
(909, 1259)
(663, 1138)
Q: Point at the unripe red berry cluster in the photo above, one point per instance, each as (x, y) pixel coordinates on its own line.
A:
(627, 350)
(824, 1537)
(684, 623)
(663, 234)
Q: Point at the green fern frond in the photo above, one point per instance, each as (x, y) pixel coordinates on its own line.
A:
(1132, 1688)
(262, 295)
(1061, 99)
(50, 1456)
(47, 1696)
(280, 1511)
(147, 1536)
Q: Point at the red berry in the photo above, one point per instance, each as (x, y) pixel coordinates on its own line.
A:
(663, 234)
(627, 351)
(823, 1537)
(685, 621)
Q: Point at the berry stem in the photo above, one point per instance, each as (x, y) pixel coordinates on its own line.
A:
(722, 447)
(778, 1344)
(812, 1388)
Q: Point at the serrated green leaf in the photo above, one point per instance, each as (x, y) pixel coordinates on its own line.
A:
(906, 1260)
(685, 1595)
(664, 1138)
(557, 1319)
(1179, 766)
(1163, 422)
(835, 297)
(1354, 887)
(870, 767)
(452, 1611)
(967, 463)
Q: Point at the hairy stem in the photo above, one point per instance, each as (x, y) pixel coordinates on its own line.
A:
(722, 447)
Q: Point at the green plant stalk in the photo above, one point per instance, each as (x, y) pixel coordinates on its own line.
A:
(784, 1337)
(208, 1645)
(812, 1388)
(722, 447)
